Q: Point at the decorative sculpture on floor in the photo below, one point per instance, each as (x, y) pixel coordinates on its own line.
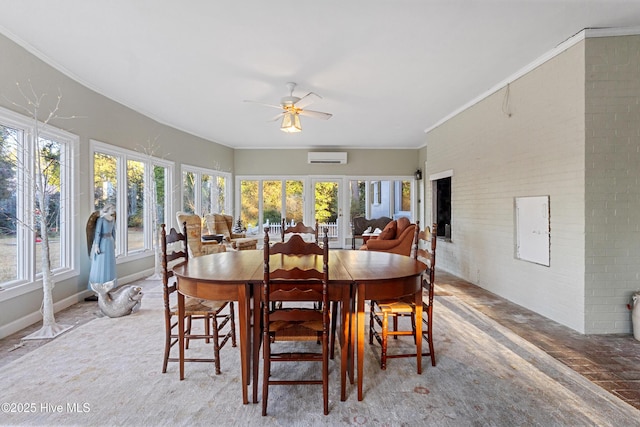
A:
(101, 244)
(120, 301)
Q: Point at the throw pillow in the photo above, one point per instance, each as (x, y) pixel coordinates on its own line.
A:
(389, 231)
(403, 223)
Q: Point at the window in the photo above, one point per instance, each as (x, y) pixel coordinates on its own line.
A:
(36, 184)
(441, 188)
(294, 199)
(137, 185)
(268, 201)
(135, 205)
(249, 205)
(357, 198)
(377, 198)
(205, 191)
(47, 202)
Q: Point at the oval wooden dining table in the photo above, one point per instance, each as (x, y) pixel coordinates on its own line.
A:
(354, 276)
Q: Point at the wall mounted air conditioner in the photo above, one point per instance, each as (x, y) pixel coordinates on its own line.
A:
(327, 157)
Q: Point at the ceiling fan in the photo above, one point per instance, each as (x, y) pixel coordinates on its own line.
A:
(293, 107)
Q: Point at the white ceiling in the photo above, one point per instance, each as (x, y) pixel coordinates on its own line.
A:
(386, 69)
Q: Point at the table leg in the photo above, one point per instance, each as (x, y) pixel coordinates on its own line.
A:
(245, 347)
(360, 294)
(181, 333)
(418, 319)
(257, 337)
(352, 334)
(346, 348)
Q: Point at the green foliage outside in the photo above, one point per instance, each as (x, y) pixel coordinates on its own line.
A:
(326, 201)
(326, 195)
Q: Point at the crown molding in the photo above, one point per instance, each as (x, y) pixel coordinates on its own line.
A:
(571, 41)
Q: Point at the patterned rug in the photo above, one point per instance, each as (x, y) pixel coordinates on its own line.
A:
(108, 372)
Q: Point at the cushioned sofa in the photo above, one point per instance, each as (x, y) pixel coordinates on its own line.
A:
(396, 237)
(360, 224)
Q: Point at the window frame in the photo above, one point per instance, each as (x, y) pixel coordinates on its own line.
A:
(27, 279)
(122, 156)
(199, 172)
(346, 181)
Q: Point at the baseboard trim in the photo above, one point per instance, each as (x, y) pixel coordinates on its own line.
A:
(35, 317)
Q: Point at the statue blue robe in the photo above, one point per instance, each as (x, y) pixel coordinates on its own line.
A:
(103, 264)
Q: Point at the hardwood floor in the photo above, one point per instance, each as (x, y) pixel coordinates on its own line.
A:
(610, 361)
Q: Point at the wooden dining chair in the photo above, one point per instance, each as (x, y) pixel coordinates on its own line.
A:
(381, 311)
(299, 228)
(297, 273)
(302, 229)
(174, 253)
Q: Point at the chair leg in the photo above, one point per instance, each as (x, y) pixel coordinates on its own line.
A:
(395, 325)
(413, 328)
(325, 374)
(216, 342)
(371, 320)
(334, 319)
(385, 329)
(429, 335)
(167, 344)
(232, 316)
(187, 332)
(207, 330)
(265, 373)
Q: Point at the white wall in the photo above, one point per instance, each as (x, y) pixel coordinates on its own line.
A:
(105, 120)
(294, 162)
(570, 129)
(612, 181)
(527, 142)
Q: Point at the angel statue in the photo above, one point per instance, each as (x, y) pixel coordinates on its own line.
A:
(101, 244)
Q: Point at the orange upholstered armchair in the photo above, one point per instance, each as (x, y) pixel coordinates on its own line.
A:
(397, 237)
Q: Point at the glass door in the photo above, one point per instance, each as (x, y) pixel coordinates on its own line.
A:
(327, 209)
(272, 208)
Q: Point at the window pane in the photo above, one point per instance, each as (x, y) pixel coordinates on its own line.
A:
(135, 205)
(380, 203)
(188, 191)
(8, 192)
(47, 201)
(358, 201)
(405, 204)
(219, 201)
(326, 197)
(159, 176)
(295, 202)
(206, 186)
(272, 201)
(249, 206)
(105, 183)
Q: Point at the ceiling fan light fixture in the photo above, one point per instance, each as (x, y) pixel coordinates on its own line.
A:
(290, 123)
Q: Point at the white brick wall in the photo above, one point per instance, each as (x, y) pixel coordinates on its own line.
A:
(612, 205)
(538, 150)
(573, 134)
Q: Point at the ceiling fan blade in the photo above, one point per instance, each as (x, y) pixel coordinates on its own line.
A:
(262, 103)
(308, 99)
(277, 117)
(315, 114)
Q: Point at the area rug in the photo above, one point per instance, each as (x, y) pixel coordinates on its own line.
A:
(108, 372)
